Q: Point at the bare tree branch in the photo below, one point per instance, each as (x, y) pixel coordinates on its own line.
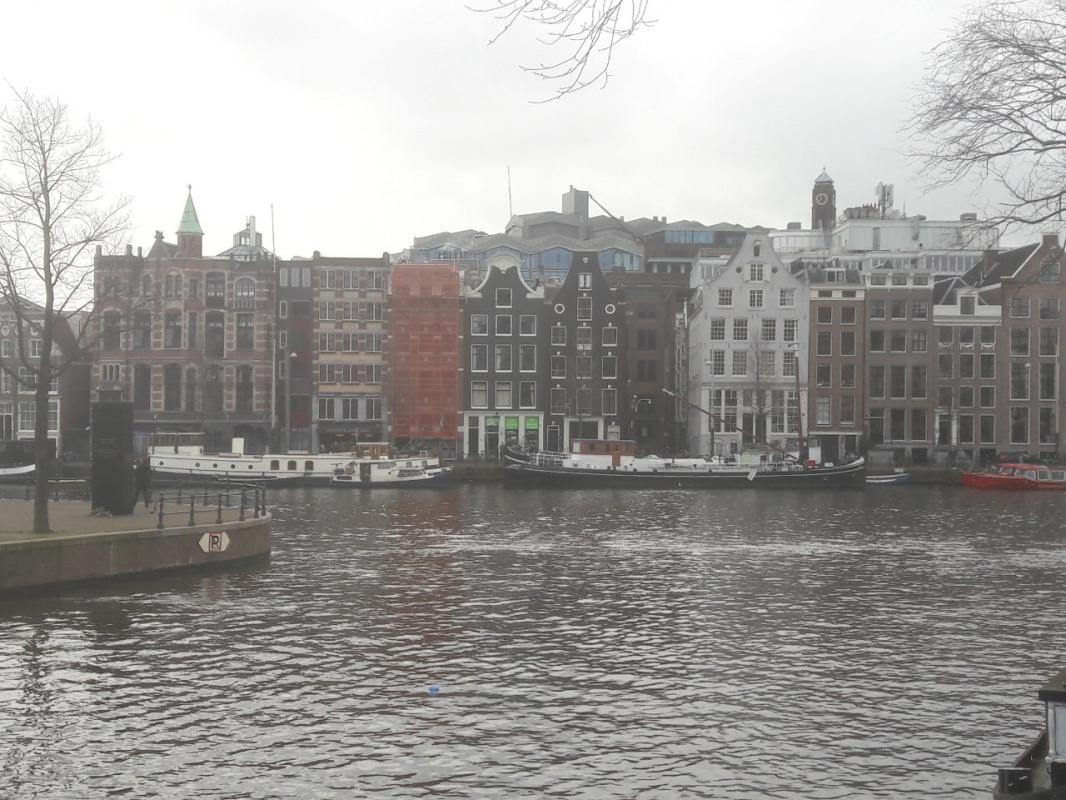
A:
(993, 108)
(589, 30)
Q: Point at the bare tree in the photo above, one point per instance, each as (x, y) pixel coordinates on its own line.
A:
(992, 109)
(586, 30)
(52, 215)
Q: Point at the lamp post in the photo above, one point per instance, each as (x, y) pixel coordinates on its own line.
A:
(288, 399)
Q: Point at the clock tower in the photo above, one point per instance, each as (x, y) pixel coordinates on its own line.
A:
(823, 204)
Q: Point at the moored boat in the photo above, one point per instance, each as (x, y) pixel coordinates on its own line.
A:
(1017, 477)
(614, 463)
(394, 473)
(893, 479)
(1040, 772)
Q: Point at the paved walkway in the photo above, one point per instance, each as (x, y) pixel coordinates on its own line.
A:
(72, 516)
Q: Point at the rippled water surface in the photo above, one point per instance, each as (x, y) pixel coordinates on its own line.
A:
(586, 644)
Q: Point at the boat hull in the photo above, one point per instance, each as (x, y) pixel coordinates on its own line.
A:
(427, 482)
(899, 479)
(847, 476)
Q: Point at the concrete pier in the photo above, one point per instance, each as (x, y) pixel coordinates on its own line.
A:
(85, 547)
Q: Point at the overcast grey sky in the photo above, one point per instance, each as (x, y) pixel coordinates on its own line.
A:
(367, 123)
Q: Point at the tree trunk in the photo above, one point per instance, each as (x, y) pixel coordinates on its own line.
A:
(41, 456)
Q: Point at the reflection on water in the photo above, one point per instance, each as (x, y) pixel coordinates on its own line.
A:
(585, 644)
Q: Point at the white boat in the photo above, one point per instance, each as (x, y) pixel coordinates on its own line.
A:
(14, 472)
(181, 456)
(410, 472)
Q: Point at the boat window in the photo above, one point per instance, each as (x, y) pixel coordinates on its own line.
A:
(292, 465)
(214, 466)
(197, 463)
(275, 465)
(1042, 474)
(1058, 475)
(233, 466)
(249, 466)
(309, 466)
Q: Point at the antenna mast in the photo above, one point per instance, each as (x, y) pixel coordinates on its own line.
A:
(510, 206)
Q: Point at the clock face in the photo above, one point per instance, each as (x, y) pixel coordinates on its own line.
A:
(821, 198)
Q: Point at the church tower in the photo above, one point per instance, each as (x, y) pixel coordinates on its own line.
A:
(190, 234)
(823, 204)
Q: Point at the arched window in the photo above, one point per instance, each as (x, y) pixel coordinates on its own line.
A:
(244, 289)
(172, 387)
(112, 331)
(215, 334)
(172, 330)
(146, 286)
(213, 389)
(142, 330)
(245, 389)
(172, 286)
(215, 288)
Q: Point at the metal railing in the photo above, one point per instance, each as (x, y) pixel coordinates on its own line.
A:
(209, 502)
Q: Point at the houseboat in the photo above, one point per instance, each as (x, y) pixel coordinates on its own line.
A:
(400, 472)
(1017, 477)
(181, 457)
(596, 462)
(1040, 772)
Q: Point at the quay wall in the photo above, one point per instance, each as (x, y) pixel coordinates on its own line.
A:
(50, 559)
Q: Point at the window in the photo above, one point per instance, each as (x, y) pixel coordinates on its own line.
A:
(479, 394)
(215, 334)
(584, 308)
(558, 335)
(246, 331)
(988, 336)
(847, 376)
(1046, 422)
(142, 387)
(918, 342)
(966, 428)
(527, 358)
(789, 364)
(987, 396)
(822, 411)
(609, 337)
(646, 339)
(988, 365)
(1049, 341)
(558, 367)
(755, 272)
(327, 279)
(824, 373)
(609, 367)
(146, 286)
(919, 309)
(945, 367)
(877, 341)
(327, 310)
(740, 362)
(789, 333)
(919, 379)
(966, 336)
(172, 330)
(559, 403)
(966, 365)
(897, 421)
(769, 330)
(1019, 307)
(897, 382)
(1019, 341)
(244, 293)
(786, 298)
(1019, 380)
(877, 382)
(847, 315)
(967, 305)
(1049, 271)
(609, 398)
(479, 324)
(190, 389)
(503, 394)
(1049, 308)
(527, 394)
(945, 336)
(244, 398)
(27, 379)
(503, 358)
(142, 330)
(847, 409)
(825, 315)
(1048, 381)
(192, 288)
(898, 309)
(988, 429)
(755, 298)
(584, 338)
(111, 338)
(717, 362)
(503, 325)
(1019, 425)
(646, 369)
(584, 401)
(479, 358)
(965, 397)
(215, 286)
(527, 325)
(725, 297)
(825, 343)
(584, 280)
(767, 363)
(877, 309)
(898, 341)
(740, 330)
(919, 424)
(717, 329)
(503, 298)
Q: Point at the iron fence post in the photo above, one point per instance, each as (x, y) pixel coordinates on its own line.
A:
(160, 525)
(219, 520)
(243, 501)
(192, 510)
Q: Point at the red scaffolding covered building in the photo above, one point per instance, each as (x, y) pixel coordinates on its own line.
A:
(426, 316)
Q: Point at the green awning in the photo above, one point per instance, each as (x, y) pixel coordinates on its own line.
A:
(510, 423)
(532, 423)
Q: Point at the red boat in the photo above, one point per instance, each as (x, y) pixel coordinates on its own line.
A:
(1020, 477)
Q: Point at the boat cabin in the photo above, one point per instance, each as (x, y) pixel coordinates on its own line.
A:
(603, 447)
(1041, 769)
(1033, 472)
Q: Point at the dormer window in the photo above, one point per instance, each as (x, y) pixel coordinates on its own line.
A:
(756, 249)
(967, 305)
(503, 298)
(584, 281)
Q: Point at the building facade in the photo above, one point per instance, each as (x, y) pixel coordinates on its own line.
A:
(504, 384)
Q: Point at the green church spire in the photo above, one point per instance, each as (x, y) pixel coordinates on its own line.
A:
(190, 223)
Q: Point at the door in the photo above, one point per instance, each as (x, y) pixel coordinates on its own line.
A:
(471, 442)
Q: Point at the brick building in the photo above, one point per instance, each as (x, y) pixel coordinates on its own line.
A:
(188, 338)
(423, 379)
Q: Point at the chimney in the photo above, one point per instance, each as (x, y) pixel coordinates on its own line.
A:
(138, 251)
(1050, 239)
(969, 216)
(129, 249)
(794, 226)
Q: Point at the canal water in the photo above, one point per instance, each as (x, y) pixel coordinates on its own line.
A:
(483, 641)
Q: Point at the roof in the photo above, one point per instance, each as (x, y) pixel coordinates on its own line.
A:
(824, 177)
(1004, 265)
(161, 249)
(190, 223)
